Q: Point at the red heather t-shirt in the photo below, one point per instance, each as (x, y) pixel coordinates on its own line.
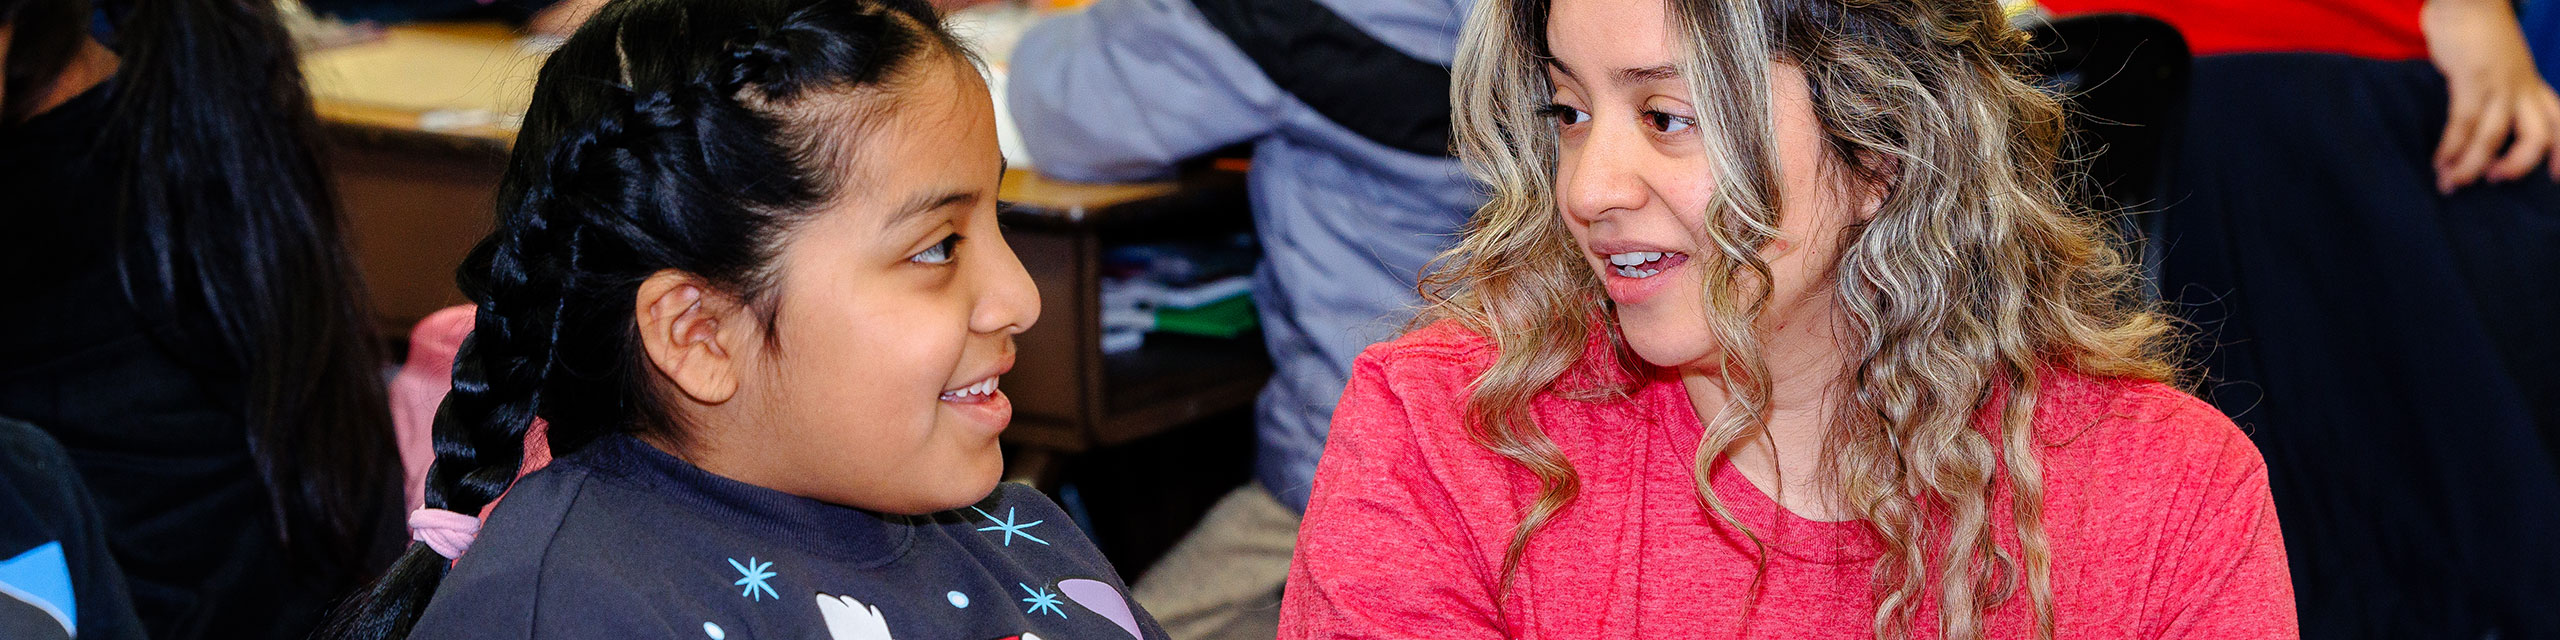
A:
(2157, 508)
(2380, 29)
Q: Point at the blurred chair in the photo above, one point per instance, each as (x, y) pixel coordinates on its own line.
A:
(420, 387)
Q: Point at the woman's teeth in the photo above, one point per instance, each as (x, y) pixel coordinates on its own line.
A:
(971, 393)
(1632, 264)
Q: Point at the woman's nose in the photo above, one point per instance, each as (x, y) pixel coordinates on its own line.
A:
(1599, 176)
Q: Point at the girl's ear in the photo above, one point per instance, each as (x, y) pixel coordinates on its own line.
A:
(693, 334)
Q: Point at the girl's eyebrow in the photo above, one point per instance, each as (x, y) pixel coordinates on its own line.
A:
(928, 202)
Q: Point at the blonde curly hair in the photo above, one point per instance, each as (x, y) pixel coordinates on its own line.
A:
(1976, 272)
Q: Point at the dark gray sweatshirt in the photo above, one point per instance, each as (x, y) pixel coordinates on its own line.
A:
(620, 541)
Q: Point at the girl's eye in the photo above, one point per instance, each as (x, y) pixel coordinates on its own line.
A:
(1667, 123)
(939, 253)
(1563, 115)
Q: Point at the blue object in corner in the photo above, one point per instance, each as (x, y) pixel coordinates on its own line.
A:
(2541, 20)
(42, 577)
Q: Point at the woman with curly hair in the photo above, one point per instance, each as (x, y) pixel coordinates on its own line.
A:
(1778, 323)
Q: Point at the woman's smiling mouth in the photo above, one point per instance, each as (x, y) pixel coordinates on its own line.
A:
(1644, 264)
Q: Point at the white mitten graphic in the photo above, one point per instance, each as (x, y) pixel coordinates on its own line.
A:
(850, 619)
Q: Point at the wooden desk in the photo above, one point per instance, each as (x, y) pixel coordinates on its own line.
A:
(420, 123)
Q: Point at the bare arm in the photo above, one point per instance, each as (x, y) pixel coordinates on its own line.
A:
(2504, 119)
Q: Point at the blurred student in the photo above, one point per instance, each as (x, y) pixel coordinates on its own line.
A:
(1778, 324)
(747, 271)
(57, 579)
(2362, 219)
(1346, 105)
(184, 318)
(542, 17)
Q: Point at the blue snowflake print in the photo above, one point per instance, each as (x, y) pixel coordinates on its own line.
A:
(1041, 599)
(754, 580)
(1007, 526)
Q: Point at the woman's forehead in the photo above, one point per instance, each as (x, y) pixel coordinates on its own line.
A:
(1610, 42)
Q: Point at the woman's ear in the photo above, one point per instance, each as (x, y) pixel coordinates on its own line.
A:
(1871, 194)
(693, 334)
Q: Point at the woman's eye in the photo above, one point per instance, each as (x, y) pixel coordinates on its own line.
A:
(939, 253)
(1667, 123)
(1563, 115)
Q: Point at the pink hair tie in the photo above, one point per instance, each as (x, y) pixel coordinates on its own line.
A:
(447, 532)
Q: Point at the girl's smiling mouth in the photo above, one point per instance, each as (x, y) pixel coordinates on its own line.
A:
(983, 401)
(975, 392)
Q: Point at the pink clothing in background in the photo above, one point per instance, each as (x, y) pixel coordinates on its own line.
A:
(2157, 508)
(421, 385)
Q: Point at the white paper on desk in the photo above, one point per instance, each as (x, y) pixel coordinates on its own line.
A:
(1008, 137)
(455, 119)
(992, 29)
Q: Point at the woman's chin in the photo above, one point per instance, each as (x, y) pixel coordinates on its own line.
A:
(1663, 347)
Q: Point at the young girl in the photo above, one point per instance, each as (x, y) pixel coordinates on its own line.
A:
(1776, 325)
(748, 271)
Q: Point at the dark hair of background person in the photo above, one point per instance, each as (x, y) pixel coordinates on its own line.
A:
(699, 152)
(226, 216)
(46, 36)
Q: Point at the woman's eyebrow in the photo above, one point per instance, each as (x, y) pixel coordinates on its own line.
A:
(1628, 76)
(1646, 75)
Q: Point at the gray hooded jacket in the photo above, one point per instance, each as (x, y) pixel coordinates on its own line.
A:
(1126, 88)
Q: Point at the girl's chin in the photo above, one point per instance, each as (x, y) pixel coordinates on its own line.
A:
(964, 481)
(956, 496)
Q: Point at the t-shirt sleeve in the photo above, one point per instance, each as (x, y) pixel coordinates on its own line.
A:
(1383, 552)
(2228, 577)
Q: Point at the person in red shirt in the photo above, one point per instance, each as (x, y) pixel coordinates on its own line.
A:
(2357, 211)
(1776, 325)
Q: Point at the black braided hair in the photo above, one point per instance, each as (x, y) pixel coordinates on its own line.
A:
(690, 149)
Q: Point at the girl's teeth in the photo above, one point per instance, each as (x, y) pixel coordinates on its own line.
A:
(982, 388)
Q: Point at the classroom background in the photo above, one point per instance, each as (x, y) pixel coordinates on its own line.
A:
(2419, 467)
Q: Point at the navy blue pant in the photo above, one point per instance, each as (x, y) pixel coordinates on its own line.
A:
(2392, 351)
